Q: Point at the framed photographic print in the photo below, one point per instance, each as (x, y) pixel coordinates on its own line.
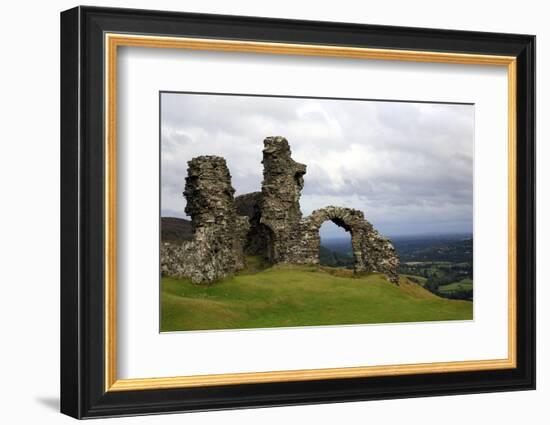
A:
(261, 212)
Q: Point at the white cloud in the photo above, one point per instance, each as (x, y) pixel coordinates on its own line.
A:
(408, 166)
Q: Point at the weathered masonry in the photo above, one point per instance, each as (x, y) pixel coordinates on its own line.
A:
(216, 250)
(267, 223)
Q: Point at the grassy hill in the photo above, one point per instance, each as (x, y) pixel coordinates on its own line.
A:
(284, 296)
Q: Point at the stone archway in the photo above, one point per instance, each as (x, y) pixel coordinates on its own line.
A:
(371, 251)
(352, 221)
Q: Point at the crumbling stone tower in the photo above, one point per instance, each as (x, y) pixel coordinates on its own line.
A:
(216, 250)
(267, 223)
(280, 199)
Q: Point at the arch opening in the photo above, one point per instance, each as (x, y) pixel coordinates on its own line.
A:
(335, 248)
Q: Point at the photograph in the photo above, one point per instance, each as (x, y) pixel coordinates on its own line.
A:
(288, 211)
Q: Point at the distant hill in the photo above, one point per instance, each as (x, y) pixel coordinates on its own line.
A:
(342, 245)
(438, 248)
(334, 258)
(175, 230)
(454, 248)
(445, 263)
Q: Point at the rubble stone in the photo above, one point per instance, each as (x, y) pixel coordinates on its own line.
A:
(217, 248)
(280, 201)
(259, 236)
(268, 223)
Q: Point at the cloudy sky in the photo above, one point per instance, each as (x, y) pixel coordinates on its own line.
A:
(407, 166)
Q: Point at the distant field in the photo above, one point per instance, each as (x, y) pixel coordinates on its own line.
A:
(464, 284)
(300, 296)
(415, 279)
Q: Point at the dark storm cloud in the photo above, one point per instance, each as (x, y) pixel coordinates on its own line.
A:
(408, 166)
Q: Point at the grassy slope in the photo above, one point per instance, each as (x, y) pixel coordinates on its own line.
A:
(300, 296)
(421, 279)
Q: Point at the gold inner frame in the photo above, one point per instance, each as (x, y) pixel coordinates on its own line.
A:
(113, 41)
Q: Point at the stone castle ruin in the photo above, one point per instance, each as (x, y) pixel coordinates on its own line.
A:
(267, 223)
(216, 250)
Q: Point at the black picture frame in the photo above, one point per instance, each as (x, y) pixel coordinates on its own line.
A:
(83, 392)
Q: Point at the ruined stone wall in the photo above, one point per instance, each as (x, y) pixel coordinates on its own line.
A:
(280, 201)
(267, 223)
(380, 255)
(296, 240)
(258, 238)
(371, 251)
(217, 248)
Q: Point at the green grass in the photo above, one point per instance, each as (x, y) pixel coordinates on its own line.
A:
(464, 284)
(420, 279)
(261, 297)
